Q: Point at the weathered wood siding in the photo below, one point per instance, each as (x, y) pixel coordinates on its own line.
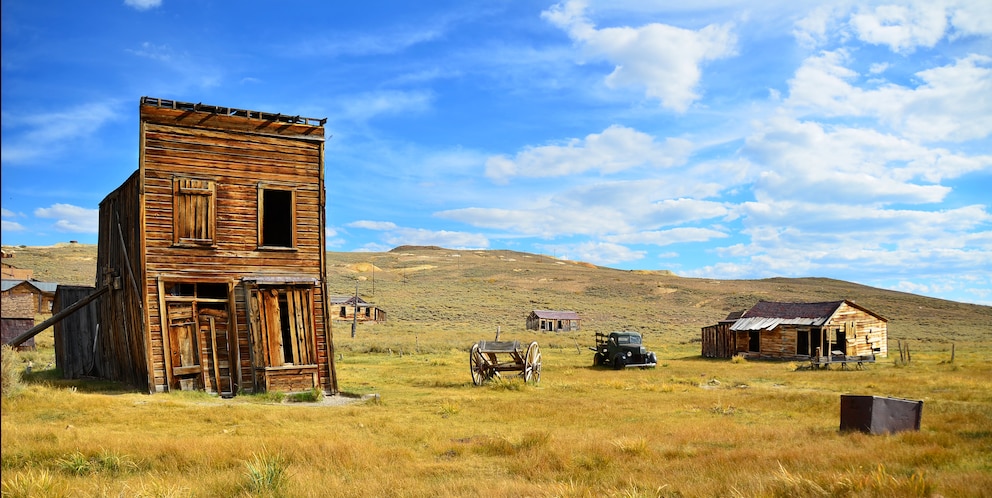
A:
(123, 351)
(237, 154)
(718, 341)
(75, 334)
(865, 333)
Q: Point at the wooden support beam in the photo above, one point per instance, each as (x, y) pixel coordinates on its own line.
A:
(58, 317)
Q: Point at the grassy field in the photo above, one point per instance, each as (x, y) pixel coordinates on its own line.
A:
(690, 427)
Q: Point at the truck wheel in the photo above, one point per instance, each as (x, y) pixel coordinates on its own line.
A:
(619, 362)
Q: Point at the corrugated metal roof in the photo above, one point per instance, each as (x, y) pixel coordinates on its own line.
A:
(766, 315)
(49, 287)
(557, 315)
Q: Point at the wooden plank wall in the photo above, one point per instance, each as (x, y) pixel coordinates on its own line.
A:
(870, 331)
(237, 153)
(122, 350)
(75, 333)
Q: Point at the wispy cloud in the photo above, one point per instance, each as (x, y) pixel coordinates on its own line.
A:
(69, 218)
(30, 136)
(615, 149)
(143, 4)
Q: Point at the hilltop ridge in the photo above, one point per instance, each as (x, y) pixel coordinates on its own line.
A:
(478, 290)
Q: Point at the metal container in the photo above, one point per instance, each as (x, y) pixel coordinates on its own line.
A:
(879, 415)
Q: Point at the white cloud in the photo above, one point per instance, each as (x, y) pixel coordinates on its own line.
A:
(664, 60)
(34, 135)
(370, 105)
(71, 218)
(615, 149)
(667, 237)
(143, 4)
(902, 28)
(443, 238)
(794, 159)
(600, 253)
(373, 225)
(11, 226)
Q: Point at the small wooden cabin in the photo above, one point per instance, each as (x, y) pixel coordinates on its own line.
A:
(343, 308)
(214, 249)
(797, 330)
(553, 321)
(42, 294)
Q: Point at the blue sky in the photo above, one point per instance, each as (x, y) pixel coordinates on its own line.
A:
(715, 139)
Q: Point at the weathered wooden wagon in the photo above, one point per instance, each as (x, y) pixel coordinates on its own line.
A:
(490, 359)
(212, 255)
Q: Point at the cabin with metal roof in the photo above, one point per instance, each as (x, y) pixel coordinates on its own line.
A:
(798, 331)
(553, 321)
(212, 255)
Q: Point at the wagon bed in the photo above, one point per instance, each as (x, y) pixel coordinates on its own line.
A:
(489, 359)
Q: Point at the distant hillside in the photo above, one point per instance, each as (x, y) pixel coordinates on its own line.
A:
(480, 290)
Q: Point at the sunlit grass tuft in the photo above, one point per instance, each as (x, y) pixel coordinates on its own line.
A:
(266, 474)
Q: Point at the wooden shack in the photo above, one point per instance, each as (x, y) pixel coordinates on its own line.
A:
(553, 321)
(343, 308)
(798, 331)
(42, 294)
(214, 251)
(75, 334)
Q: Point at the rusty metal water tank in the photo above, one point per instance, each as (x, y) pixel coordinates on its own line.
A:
(879, 415)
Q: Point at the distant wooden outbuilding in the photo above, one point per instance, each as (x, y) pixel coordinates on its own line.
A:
(343, 308)
(75, 335)
(553, 321)
(797, 330)
(42, 294)
(214, 253)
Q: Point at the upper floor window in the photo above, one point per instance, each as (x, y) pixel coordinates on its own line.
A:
(276, 216)
(193, 211)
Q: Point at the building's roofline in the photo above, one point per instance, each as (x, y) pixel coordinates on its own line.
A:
(557, 315)
(231, 111)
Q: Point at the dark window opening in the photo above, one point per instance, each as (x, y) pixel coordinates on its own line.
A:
(287, 334)
(182, 289)
(343, 312)
(368, 312)
(214, 291)
(277, 218)
(754, 341)
(802, 342)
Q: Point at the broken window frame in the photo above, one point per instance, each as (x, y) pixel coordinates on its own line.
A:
(194, 211)
(270, 243)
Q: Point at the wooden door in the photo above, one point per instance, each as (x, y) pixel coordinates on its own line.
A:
(213, 331)
(187, 373)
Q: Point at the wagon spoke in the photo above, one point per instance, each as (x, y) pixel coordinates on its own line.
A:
(532, 364)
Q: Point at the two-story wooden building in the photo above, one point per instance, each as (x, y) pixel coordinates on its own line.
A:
(214, 249)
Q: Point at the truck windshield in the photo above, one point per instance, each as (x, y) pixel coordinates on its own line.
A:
(628, 339)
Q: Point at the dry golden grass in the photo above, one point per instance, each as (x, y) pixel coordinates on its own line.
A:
(690, 427)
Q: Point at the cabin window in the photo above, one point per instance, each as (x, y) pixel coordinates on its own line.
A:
(193, 211)
(276, 217)
(368, 312)
(343, 312)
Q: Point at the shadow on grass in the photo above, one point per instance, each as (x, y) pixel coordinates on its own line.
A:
(53, 377)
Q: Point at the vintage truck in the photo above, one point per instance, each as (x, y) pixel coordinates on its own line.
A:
(622, 350)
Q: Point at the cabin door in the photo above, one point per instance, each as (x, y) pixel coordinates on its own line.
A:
(187, 374)
(200, 347)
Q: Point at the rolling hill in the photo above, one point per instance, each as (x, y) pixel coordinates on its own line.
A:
(479, 290)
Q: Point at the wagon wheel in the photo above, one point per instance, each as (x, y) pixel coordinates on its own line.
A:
(532, 364)
(477, 364)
